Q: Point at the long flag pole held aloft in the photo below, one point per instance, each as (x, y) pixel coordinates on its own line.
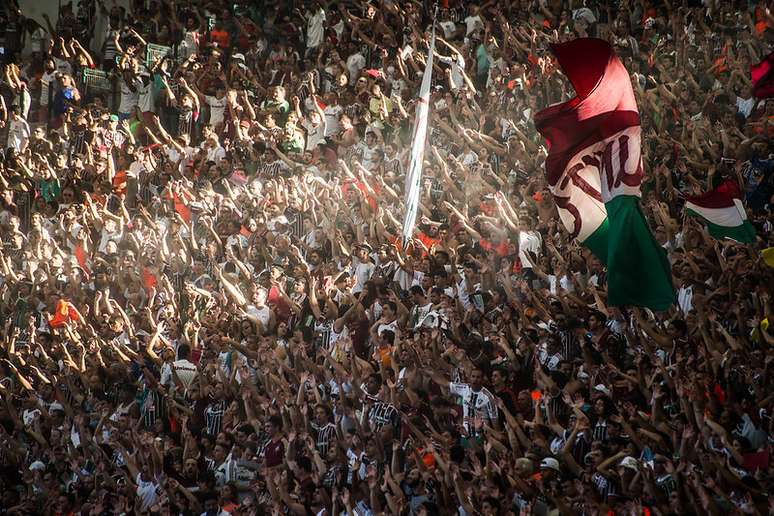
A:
(414, 177)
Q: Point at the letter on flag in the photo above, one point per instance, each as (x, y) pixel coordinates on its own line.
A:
(594, 169)
(414, 176)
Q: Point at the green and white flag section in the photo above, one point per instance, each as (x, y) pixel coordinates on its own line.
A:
(594, 169)
(722, 212)
(414, 176)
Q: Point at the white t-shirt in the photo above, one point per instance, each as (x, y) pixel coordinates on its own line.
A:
(215, 153)
(106, 236)
(745, 106)
(135, 169)
(685, 299)
(315, 30)
(45, 84)
(62, 66)
(217, 108)
(226, 472)
(355, 63)
(175, 156)
(263, 314)
(457, 65)
(449, 28)
(418, 314)
(339, 28)
(469, 158)
(23, 99)
(472, 23)
(528, 241)
(185, 370)
(129, 98)
(407, 279)
(392, 326)
(18, 133)
(367, 154)
(146, 491)
(38, 40)
(475, 403)
(332, 114)
(362, 273)
(315, 134)
(145, 96)
(189, 44)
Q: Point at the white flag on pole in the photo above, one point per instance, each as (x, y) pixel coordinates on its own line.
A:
(414, 177)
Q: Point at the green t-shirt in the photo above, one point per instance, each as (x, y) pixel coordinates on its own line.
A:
(279, 109)
(50, 189)
(482, 60)
(295, 144)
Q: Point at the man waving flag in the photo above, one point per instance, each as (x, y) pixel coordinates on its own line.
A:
(594, 169)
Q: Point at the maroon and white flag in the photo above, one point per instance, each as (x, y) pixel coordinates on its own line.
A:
(594, 169)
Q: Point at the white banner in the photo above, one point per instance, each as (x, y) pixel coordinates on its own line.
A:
(414, 177)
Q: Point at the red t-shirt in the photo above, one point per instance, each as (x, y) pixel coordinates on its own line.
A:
(427, 239)
(276, 303)
(274, 453)
(221, 37)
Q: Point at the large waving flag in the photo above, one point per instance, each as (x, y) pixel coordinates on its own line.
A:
(722, 212)
(414, 176)
(594, 169)
(762, 77)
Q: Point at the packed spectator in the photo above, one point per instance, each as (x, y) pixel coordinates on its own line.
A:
(207, 307)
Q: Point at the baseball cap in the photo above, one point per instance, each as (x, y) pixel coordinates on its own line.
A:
(37, 465)
(549, 463)
(629, 462)
(604, 390)
(585, 14)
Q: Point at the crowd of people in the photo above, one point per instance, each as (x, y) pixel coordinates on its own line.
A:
(207, 307)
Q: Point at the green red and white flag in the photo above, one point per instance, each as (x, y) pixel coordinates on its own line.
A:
(594, 169)
(722, 212)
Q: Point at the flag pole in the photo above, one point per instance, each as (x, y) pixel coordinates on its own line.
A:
(414, 176)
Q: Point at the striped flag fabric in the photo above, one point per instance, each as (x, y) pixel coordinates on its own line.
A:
(722, 211)
(413, 185)
(594, 169)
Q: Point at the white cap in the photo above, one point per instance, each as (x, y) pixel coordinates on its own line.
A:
(238, 56)
(585, 14)
(550, 463)
(37, 465)
(604, 390)
(55, 406)
(629, 462)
